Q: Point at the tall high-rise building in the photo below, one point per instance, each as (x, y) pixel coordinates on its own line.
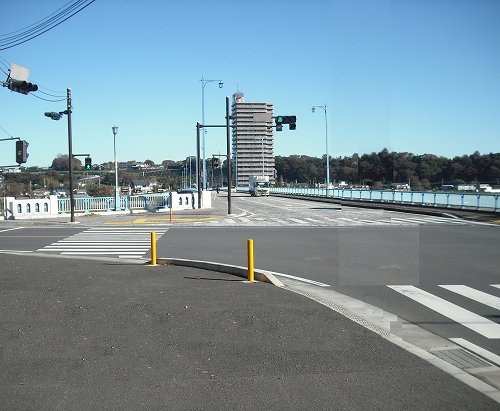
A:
(252, 140)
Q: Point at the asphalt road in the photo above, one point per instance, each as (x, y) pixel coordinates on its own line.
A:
(366, 254)
(363, 262)
(86, 334)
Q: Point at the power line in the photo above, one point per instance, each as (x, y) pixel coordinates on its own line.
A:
(45, 99)
(47, 94)
(48, 24)
(49, 21)
(6, 132)
(39, 21)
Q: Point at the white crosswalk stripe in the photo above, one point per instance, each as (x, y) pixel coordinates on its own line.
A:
(330, 221)
(122, 242)
(476, 295)
(475, 322)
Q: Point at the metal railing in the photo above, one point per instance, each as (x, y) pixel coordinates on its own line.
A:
(475, 201)
(107, 204)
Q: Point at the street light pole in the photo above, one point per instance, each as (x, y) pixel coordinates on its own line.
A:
(70, 155)
(327, 156)
(117, 189)
(203, 84)
(262, 140)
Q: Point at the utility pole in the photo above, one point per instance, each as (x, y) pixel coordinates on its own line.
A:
(70, 155)
(228, 147)
(228, 135)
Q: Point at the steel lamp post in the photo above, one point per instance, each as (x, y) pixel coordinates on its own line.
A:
(327, 156)
(117, 189)
(204, 82)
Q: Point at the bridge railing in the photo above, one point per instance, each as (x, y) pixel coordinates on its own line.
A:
(53, 206)
(476, 201)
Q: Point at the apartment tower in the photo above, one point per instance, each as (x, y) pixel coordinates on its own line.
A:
(252, 140)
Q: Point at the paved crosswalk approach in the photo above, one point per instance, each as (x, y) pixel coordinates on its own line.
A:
(467, 318)
(256, 220)
(477, 323)
(121, 242)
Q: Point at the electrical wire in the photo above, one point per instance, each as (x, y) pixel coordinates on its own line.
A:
(6, 132)
(45, 99)
(47, 94)
(29, 30)
(4, 62)
(48, 24)
(39, 21)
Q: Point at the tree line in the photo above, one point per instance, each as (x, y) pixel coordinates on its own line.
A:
(422, 172)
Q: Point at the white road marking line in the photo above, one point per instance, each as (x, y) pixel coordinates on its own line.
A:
(312, 219)
(481, 325)
(93, 252)
(10, 229)
(349, 220)
(296, 220)
(374, 222)
(476, 295)
(125, 242)
(95, 247)
(478, 350)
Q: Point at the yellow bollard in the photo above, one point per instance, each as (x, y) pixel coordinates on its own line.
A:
(153, 248)
(250, 260)
(170, 214)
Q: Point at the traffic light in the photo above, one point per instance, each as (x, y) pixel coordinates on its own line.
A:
(21, 151)
(88, 163)
(53, 115)
(291, 120)
(22, 86)
(215, 162)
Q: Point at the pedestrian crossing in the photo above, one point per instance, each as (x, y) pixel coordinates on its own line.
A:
(121, 242)
(399, 220)
(477, 323)
(485, 329)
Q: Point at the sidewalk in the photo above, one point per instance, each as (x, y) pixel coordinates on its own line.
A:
(219, 209)
(105, 334)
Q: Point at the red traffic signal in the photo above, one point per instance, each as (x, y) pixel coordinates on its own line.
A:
(22, 86)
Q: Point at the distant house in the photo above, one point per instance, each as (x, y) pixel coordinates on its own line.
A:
(41, 193)
(143, 186)
(465, 187)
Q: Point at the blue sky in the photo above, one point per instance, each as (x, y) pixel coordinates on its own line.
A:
(409, 75)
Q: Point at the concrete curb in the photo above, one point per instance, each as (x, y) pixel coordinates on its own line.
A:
(239, 271)
(269, 277)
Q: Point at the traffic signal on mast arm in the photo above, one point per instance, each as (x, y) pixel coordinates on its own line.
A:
(21, 151)
(88, 163)
(215, 162)
(22, 86)
(290, 120)
(279, 123)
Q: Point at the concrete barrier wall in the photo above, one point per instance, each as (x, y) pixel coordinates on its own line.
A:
(31, 208)
(55, 207)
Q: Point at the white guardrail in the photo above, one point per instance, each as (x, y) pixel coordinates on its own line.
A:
(475, 201)
(53, 206)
